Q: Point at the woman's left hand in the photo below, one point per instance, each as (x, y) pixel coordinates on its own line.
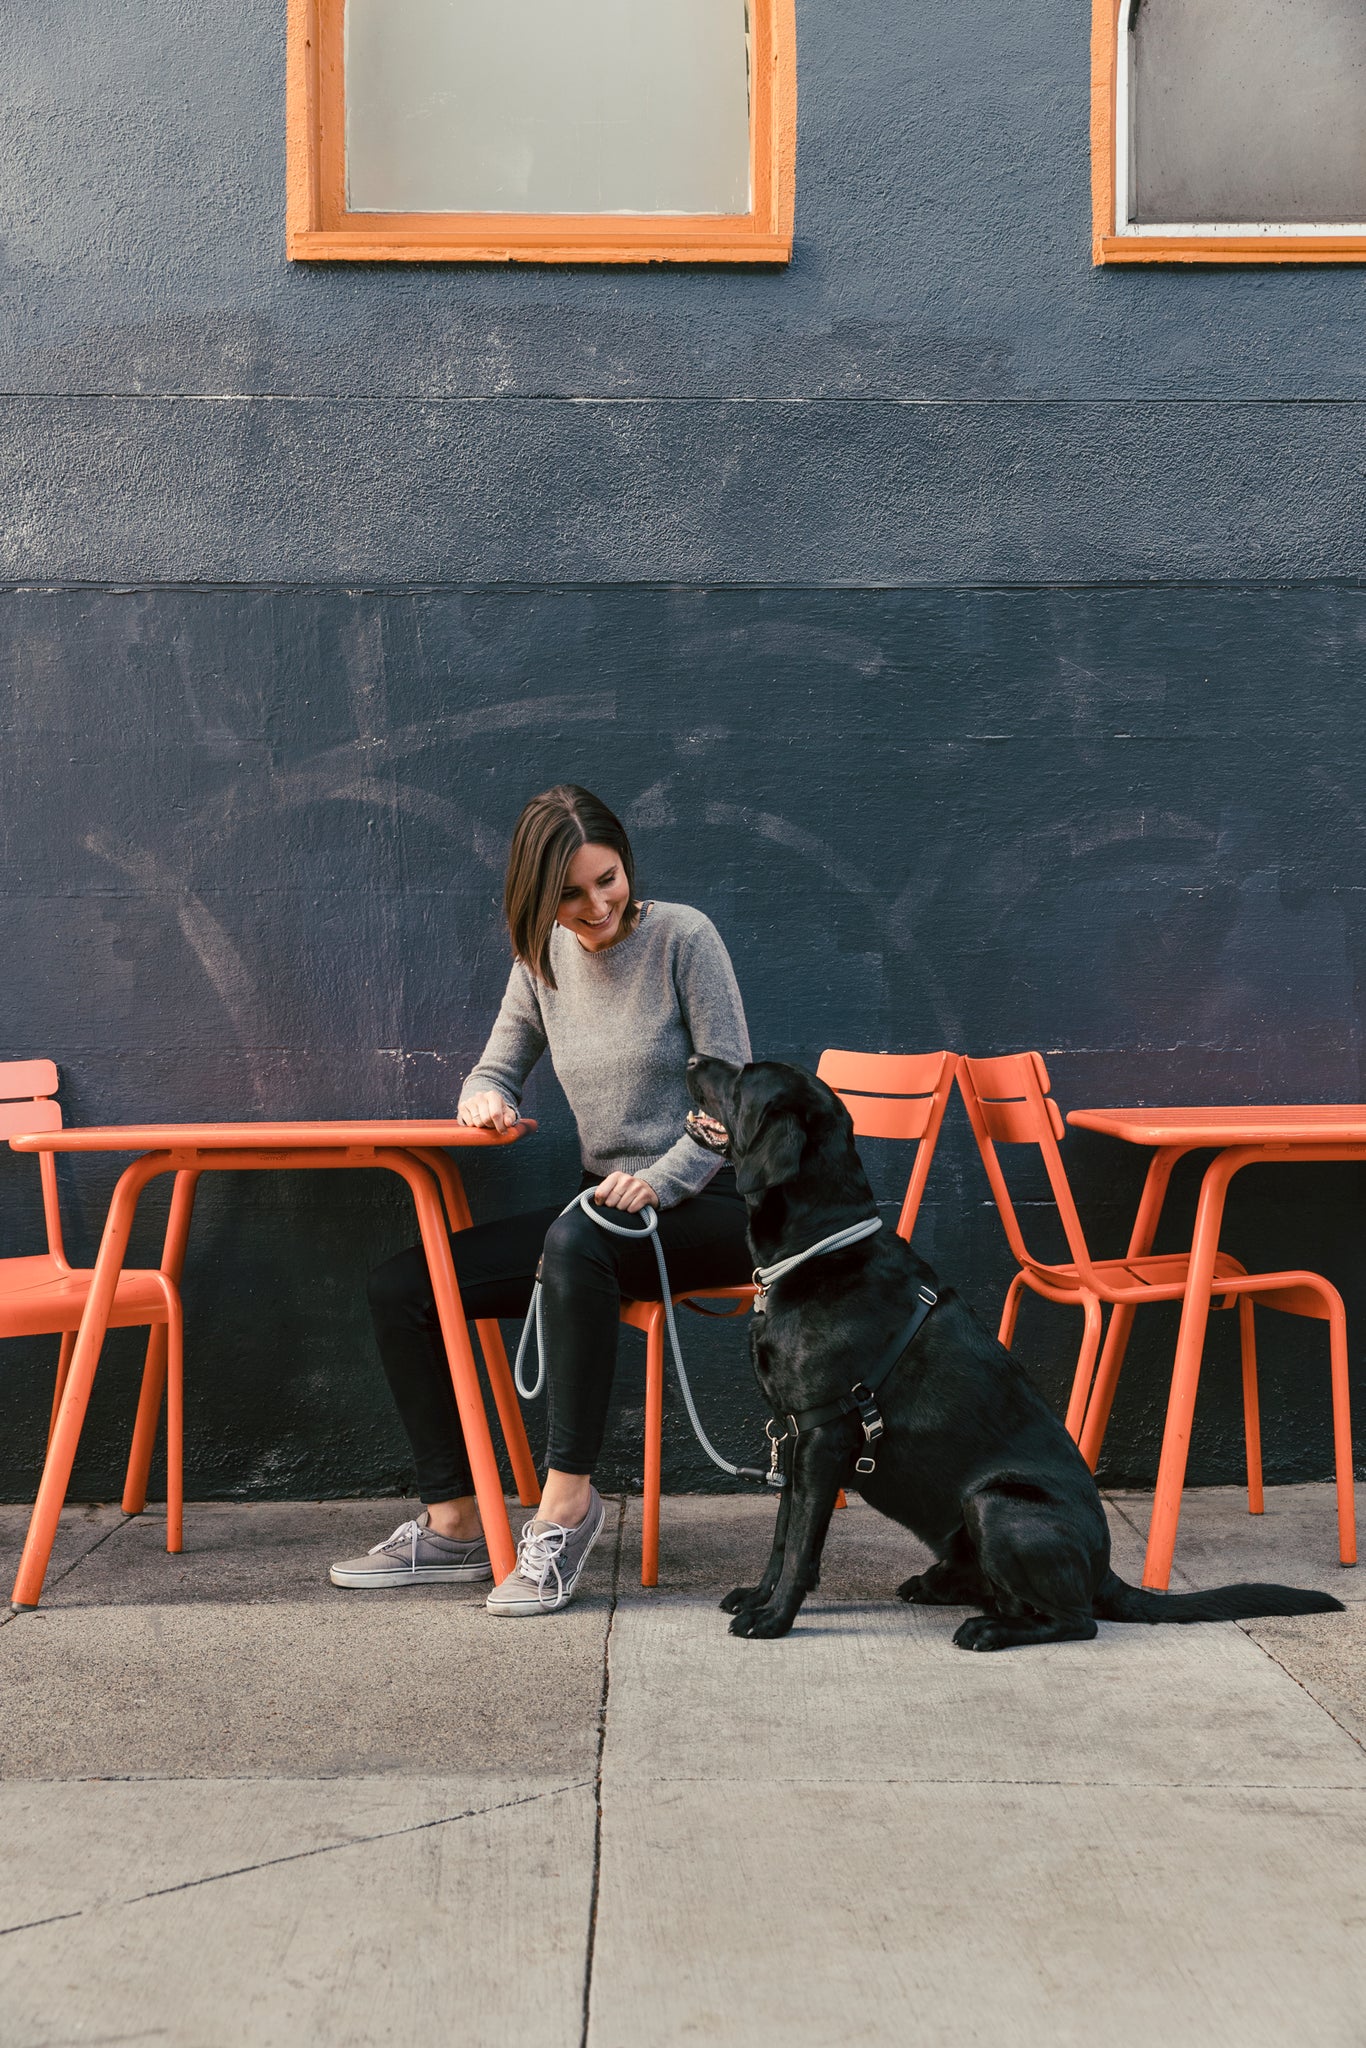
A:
(624, 1191)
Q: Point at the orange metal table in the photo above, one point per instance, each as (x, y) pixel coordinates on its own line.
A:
(413, 1149)
(1243, 1136)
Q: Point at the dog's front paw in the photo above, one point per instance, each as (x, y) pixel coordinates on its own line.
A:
(762, 1623)
(982, 1632)
(742, 1596)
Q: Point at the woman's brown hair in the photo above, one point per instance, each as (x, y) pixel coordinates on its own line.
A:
(550, 831)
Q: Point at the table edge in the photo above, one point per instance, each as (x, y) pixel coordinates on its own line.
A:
(378, 1133)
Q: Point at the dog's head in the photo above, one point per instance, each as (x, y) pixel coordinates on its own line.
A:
(777, 1118)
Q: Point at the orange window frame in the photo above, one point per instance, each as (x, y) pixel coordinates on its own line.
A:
(320, 229)
(1109, 246)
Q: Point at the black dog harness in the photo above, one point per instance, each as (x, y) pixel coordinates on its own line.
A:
(861, 1397)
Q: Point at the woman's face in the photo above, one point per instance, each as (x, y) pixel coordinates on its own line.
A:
(594, 897)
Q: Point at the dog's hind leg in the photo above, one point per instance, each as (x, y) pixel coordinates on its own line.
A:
(816, 1474)
(954, 1581)
(1037, 1575)
(999, 1632)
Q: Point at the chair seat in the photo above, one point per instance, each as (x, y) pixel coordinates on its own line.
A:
(640, 1314)
(1162, 1277)
(39, 1298)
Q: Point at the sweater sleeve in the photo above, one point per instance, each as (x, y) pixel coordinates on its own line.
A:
(709, 999)
(516, 1042)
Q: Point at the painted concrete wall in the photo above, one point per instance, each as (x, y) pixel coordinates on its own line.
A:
(974, 635)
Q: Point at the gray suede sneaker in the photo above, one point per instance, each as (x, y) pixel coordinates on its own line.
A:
(550, 1560)
(415, 1556)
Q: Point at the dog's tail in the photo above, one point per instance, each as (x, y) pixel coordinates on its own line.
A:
(1118, 1602)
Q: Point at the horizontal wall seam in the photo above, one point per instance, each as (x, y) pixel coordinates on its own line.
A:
(514, 586)
(1109, 402)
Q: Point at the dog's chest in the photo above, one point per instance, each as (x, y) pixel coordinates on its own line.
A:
(781, 1360)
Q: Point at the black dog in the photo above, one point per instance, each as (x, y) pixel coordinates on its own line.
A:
(969, 1457)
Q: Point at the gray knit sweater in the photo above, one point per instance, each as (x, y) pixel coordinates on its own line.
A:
(620, 1026)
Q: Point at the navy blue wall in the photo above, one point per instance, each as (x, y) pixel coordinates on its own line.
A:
(972, 634)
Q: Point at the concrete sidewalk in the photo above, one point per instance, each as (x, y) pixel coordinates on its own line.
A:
(240, 1807)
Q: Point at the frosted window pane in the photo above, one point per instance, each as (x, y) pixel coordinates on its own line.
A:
(547, 106)
(1249, 110)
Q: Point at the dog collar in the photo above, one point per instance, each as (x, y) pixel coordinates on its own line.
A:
(766, 1276)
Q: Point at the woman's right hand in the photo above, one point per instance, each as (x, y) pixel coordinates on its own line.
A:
(487, 1112)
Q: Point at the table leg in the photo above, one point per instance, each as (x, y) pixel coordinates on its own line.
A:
(154, 1371)
(488, 1485)
(1190, 1345)
(1122, 1315)
(490, 1338)
(47, 1509)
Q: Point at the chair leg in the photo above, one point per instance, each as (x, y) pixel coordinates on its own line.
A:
(175, 1426)
(63, 1368)
(509, 1413)
(1342, 1433)
(1107, 1380)
(1252, 1413)
(145, 1427)
(1010, 1314)
(1086, 1361)
(654, 1444)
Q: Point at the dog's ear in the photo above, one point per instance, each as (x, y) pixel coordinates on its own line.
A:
(772, 1156)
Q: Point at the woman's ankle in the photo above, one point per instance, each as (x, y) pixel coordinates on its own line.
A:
(456, 1519)
(565, 1498)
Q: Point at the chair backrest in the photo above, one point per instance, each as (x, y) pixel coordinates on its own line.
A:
(895, 1095)
(26, 1088)
(1008, 1103)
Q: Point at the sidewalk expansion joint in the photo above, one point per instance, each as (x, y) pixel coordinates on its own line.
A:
(597, 1777)
(755, 1780)
(1267, 1651)
(189, 1884)
(55, 1578)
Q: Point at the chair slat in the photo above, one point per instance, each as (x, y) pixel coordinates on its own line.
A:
(888, 1116)
(1013, 1123)
(882, 1073)
(1004, 1076)
(1019, 1123)
(20, 1078)
(29, 1116)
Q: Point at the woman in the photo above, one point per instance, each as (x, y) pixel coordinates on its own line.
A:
(622, 993)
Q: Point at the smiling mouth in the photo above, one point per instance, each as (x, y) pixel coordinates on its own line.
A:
(707, 1130)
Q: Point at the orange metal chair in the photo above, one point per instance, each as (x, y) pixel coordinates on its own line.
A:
(1008, 1103)
(43, 1296)
(889, 1095)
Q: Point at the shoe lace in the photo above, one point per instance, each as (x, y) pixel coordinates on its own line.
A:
(410, 1533)
(538, 1559)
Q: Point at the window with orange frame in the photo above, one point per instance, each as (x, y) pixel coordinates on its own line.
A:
(1228, 131)
(541, 131)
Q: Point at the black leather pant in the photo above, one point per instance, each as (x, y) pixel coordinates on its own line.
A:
(585, 1273)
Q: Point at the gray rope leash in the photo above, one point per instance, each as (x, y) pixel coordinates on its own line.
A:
(854, 1233)
(534, 1320)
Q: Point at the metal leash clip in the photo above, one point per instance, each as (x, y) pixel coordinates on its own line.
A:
(774, 1476)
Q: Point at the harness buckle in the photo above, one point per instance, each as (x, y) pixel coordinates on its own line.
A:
(871, 1421)
(865, 1465)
